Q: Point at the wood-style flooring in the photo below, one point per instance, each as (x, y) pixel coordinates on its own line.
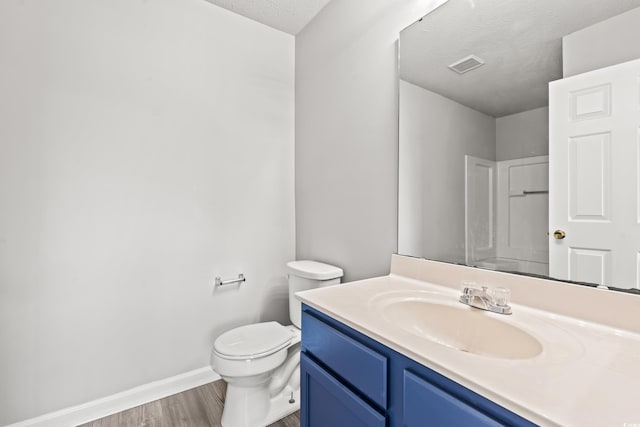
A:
(198, 407)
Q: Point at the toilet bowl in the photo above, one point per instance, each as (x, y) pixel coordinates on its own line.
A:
(261, 362)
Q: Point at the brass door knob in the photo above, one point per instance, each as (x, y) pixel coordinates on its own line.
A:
(559, 234)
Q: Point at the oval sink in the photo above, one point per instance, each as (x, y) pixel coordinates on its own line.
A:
(462, 328)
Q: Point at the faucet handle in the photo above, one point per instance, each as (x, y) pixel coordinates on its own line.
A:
(501, 296)
(467, 287)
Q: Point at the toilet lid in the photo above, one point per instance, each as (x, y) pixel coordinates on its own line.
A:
(259, 339)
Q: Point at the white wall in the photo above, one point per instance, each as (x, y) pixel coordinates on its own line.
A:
(446, 131)
(145, 147)
(609, 42)
(523, 134)
(347, 133)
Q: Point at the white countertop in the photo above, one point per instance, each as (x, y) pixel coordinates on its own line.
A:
(587, 374)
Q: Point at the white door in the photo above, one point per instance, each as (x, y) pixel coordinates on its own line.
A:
(479, 213)
(594, 133)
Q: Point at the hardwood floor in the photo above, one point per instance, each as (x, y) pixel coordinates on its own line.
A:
(198, 407)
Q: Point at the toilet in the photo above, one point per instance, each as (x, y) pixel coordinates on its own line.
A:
(261, 362)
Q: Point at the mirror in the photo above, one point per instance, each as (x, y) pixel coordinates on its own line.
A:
(475, 164)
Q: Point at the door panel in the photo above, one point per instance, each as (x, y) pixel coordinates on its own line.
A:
(589, 184)
(587, 264)
(591, 103)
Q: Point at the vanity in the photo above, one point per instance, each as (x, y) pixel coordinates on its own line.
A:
(368, 384)
(401, 350)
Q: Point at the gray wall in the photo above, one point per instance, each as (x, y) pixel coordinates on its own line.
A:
(523, 134)
(141, 154)
(441, 132)
(347, 133)
(606, 43)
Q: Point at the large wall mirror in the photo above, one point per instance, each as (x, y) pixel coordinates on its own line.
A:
(520, 138)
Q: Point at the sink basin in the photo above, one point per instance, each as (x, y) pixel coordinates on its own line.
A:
(458, 326)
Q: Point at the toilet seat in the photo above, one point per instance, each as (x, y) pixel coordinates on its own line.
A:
(253, 341)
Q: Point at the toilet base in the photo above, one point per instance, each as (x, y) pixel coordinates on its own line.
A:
(251, 407)
(280, 406)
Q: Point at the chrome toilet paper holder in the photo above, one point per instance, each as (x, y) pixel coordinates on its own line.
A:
(219, 282)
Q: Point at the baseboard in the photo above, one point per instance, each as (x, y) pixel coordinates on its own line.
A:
(122, 401)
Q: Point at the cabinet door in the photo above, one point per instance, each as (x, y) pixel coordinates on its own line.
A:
(328, 402)
(427, 405)
(356, 364)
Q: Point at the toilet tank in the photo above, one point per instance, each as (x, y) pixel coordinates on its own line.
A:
(305, 275)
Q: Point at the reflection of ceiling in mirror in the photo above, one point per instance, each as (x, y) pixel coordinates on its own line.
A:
(520, 41)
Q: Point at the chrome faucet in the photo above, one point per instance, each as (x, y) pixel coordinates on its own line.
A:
(496, 300)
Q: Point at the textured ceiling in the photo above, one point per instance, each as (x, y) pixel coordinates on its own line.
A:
(520, 40)
(289, 16)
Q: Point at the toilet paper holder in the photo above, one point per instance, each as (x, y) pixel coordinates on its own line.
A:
(219, 282)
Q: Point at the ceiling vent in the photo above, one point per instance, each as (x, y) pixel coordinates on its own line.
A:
(466, 64)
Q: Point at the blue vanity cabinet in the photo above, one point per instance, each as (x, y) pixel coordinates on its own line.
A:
(351, 380)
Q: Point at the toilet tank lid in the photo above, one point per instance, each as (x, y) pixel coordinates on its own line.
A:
(314, 270)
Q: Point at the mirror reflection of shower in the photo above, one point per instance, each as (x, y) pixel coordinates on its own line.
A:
(473, 187)
(506, 221)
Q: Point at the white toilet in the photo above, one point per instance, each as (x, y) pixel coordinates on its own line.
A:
(261, 362)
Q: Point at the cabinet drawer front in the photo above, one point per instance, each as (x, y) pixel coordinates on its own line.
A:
(327, 402)
(358, 365)
(427, 405)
